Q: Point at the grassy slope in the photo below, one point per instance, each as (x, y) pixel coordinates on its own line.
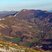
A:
(16, 48)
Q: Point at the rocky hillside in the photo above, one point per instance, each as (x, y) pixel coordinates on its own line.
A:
(27, 27)
(12, 47)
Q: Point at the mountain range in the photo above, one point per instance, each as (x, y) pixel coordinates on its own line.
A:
(26, 27)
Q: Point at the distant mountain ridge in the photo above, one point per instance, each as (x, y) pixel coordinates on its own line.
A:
(36, 13)
(49, 10)
(7, 13)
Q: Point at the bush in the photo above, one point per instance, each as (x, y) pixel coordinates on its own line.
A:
(16, 39)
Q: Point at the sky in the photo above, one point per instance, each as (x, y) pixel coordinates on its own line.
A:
(10, 5)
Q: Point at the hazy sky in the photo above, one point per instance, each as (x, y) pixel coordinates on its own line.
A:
(25, 4)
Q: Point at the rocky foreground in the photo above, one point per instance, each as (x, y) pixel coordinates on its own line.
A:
(12, 47)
